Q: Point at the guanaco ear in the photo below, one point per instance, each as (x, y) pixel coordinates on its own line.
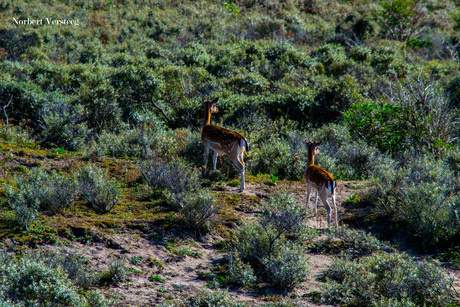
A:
(202, 96)
(215, 100)
(308, 142)
(318, 143)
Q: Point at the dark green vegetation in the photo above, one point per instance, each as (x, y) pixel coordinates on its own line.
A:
(101, 128)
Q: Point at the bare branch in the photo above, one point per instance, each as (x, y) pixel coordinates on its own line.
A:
(4, 109)
(161, 110)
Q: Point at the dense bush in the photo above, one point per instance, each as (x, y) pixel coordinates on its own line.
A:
(414, 114)
(60, 124)
(422, 198)
(395, 278)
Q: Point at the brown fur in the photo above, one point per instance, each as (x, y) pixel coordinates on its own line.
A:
(222, 140)
(321, 180)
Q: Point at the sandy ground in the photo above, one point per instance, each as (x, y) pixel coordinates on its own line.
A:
(177, 277)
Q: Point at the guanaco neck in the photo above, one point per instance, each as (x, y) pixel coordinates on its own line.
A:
(311, 158)
(207, 115)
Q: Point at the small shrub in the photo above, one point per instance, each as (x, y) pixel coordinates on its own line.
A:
(39, 191)
(176, 176)
(116, 273)
(98, 189)
(61, 194)
(76, 267)
(197, 209)
(284, 213)
(240, 273)
(280, 262)
(352, 243)
(211, 299)
(156, 278)
(16, 134)
(287, 268)
(383, 277)
(253, 243)
(33, 283)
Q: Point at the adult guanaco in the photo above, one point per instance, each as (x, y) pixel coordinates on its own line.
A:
(222, 141)
(321, 180)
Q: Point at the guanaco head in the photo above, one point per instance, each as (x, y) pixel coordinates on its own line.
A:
(211, 105)
(313, 147)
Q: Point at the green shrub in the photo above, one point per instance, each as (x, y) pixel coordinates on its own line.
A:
(388, 59)
(32, 282)
(247, 82)
(136, 86)
(349, 242)
(26, 98)
(97, 189)
(240, 273)
(395, 278)
(422, 198)
(176, 176)
(399, 19)
(116, 273)
(278, 261)
(56, 278)
(378, 124)
(16, 134)
(144, 141)
(62, 125)
(284, 213)
(358, 160)
(195, 54)
(287, 268)
(333, 97)
(414, 115)
(424, 113)
(100, 105)
(39, 191)
(253, 243)
(212, 299)
(334, 59)
(197, 209)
